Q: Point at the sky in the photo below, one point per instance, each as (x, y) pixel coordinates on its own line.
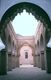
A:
(25, 24)
(49, 43)
(2, 46)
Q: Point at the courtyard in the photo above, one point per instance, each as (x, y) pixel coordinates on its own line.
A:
(26, 73)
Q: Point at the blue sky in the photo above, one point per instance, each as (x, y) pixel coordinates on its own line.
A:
(49, 43)
(25, 24)
(2, 46)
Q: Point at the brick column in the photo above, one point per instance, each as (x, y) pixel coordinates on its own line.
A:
(3, 62)
(13, 61)
(48, 58)
(38, 60)
(42, 59)
(9, 61)
(33, 59)
(17, 64)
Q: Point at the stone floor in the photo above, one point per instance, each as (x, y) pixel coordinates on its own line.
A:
(26, 73)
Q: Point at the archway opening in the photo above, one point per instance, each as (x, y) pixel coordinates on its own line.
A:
(38, 12)
(26, 57)
(9, 15)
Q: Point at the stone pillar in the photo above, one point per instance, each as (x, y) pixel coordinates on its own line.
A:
(17, 64)
(33, 59)
(38, 60)
(48, 58)
(13, 61)
(42, 59)
(9, 61)
(3, 62)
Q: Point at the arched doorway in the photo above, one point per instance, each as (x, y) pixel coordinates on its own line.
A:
(26, 57)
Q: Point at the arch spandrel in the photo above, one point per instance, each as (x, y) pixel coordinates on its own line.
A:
(37, 11)
(25, 44)
(5, 5)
